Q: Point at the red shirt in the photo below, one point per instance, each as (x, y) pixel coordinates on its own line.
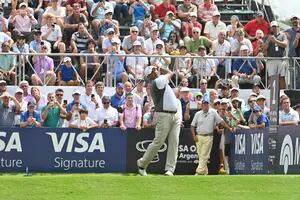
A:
(161, 10)
(252, 26)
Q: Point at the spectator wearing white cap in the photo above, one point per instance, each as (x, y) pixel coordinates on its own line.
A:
(67, 74)
(258, 23)
(261, 101)
(275, 46)
(245, 69)
(128, 40)
(168, 25)
(160, 62)
(106, 41)
(23, 105)
(43, 69)
(106, 24)
(8, 110)
(206, 10)
(188, 25)
(154, 39)
(79, 39)
(239, 41)
(136, 65)
(214, 27)
(221, 47)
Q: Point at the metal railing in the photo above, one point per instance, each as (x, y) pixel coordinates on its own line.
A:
(292, 66)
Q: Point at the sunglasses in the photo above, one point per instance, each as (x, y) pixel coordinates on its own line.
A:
(59, 95)
(5, 45)
(106, 102)
(203, 83)
(111, 33)
(134, 31)
(195, 32)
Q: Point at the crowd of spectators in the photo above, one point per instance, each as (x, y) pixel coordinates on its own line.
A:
(188, 28)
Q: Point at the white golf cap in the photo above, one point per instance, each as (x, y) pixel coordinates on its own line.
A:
(115, 40)
(137, 43)
(148, 70)
(185, 89)
(66, 59)
(274, 23)
(19, 90)
(76, 92)
(216, 13)
(244, 48)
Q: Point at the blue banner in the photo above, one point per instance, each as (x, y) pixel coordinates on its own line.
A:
(62, 150)
(249, 151)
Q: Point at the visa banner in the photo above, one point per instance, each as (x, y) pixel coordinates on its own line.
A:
(62, 150)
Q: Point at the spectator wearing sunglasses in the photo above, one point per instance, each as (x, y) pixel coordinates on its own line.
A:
(107, 116)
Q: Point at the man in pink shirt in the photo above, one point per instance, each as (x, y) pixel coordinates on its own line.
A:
(206, 10)
(22, 21)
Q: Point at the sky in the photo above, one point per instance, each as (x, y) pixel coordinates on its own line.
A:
(285, 8)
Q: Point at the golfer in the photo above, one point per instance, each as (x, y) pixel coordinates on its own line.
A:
(168, 120)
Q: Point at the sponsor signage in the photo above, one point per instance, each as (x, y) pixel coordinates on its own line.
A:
(62, 150)
(249, 152)
(288, 151)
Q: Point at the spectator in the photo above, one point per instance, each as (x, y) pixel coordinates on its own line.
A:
(237, 112)
(160, 61)
(31, 117)
(23, 20)
(99, 88)
(52, 111)
(35, 45)
(203, 68)
(107, 116)
(161, 10)
(139, 92)
(287, 116)
(184, 100)
(7, 64)
(58, 11)
(262, 119)
(20, 46)
(234, 25)
(256, 89)
(187, 26)
(59, 95)
(82, 3)
(212, 95)
(73, 108)
(23, 106)
(8, 111)
(115, 63)
(147, 26)
(235, 94)
(154, 39)
(106, 24)
(239, 41)
(148, 118)
(214, 27)
(183, 65)
(118, 99)
(131, 116)
(291, 36)
(168, 25)
(98, 13)
(185, 9)
(121, 12)
(275, 46)
(67, 74)
(128, 40)
(196, 41)
(206, 10)
(106, 42)
(83, 122)
(173, 43)
(244, 69)
(249, 116)
(136, 65)
(89, 100)
(24, 85)
(89, 65)
(261, 101)
(258, 23)
(72, 21)
(258, 43)
(5, 38)
(44, 69)
(80, 39)
(137, 10)
(3, 22)
(52, 33)
(221, 47)
(39, 100)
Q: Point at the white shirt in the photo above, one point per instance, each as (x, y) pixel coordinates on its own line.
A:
(292, 115)
(137, 64)
(91, 106)
(213, 30)
(111, 115)
(151, 46)
(87, 122)
(203, 66)
(221, 49)
(54, 35)
(235, 45)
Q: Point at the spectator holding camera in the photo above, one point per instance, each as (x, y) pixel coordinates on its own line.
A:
(131, 116)
(31, 117)
(237, 112)
(8, 111)
(262, 121)
(83, 123)
(168, 25)
(52, 111)
(107, 116)
(89, 100)
(74, 107)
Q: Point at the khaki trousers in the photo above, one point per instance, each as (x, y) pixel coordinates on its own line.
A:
(204, 146)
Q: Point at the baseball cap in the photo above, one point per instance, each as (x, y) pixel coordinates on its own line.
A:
(253, 94)
(216, 13)
(159, 42)
(23, 4)
(251, 98)
(259, 13)
(201, 47)
(148, 70)
(274, 23)
(115, 40)
(108, 11)
(294, 17)
(260, 97)
(217, 101)
(31, 103)
(257, 108)
(120, 85)
(236, 99)
(198, 94)
(37, 32)
(170, 12)
(244, 48)
(76, 92)
(185, 89)
(193, 14)
(137, 43)
(19, 90)
(2, 81)
(235, 89)
(154, 27)
(225, 100)
(66, 59)
(110, 30)
(134, 28)
(182, 47)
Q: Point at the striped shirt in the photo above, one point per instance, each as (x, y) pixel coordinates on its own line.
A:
(80, 40)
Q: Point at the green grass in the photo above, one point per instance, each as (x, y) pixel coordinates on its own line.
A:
(116, 186)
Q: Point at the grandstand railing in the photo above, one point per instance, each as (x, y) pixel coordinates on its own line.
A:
(292, 65)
